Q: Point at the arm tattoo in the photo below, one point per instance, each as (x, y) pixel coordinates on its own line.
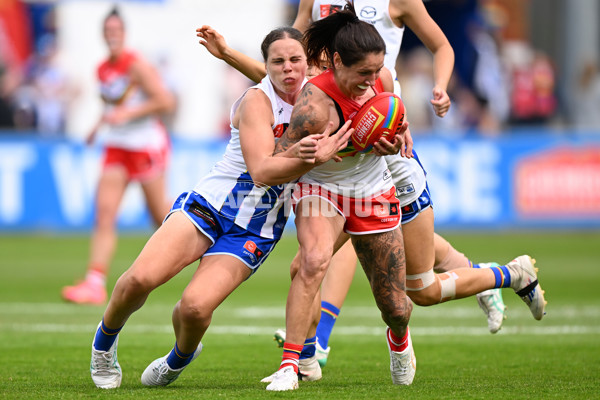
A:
(302, 122)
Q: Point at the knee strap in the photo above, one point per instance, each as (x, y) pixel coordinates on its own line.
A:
(418, 282)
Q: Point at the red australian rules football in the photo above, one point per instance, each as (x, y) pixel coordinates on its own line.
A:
(378, 118)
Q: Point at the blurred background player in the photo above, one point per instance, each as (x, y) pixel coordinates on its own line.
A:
(137, 148)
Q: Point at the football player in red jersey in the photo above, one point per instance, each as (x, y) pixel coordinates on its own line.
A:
(137, 149)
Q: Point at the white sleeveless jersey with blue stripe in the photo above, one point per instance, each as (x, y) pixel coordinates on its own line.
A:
(375, 12)
(229, 188)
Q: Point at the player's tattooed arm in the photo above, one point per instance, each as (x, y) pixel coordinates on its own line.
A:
(307, 119)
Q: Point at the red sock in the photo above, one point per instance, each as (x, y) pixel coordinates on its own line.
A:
(397, 344)
(291, 355)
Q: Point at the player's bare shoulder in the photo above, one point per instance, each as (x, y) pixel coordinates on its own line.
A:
(398, 9)
(311, 111)
(387, 80)
(253, 104)
(309, 116)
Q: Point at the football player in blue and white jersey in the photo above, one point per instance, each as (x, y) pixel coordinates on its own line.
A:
(231, 220)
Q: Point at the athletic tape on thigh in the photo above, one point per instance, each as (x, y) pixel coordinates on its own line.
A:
(418, 282)
(448, 283)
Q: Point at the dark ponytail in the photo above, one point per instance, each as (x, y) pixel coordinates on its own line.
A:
(344, 33)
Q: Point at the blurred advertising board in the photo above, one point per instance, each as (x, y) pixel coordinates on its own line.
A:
(511, 182)
(533, 181)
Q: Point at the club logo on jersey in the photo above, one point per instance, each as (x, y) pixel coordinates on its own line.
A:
(328, 9)
(368, 12)
(279, 129)
(253, 249)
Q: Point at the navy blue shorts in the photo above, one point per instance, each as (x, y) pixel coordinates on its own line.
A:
(410, 211)
(227, 237)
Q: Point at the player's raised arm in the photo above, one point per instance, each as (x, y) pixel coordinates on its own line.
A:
(414, 14)
(216, 45)
(304, 15)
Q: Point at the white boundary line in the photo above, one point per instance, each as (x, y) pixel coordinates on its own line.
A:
(340, 330)
(588, 314)
(441, 311)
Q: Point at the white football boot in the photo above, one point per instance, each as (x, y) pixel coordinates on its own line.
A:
(492, 304)
(525, 283)
(308, 370)
(403, 364)
(158, 373)
(104, 367)
(284, 379)
(322, 354)
(279, 337)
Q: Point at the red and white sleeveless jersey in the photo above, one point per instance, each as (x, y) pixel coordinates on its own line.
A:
(359, 175)
(117, 89)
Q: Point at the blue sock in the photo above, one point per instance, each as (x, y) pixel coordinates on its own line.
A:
(309, 348)
(105, 337)
(176, 359)
(329, 314)
(502, 276)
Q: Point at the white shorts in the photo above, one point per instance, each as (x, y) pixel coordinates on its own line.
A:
(409, 177)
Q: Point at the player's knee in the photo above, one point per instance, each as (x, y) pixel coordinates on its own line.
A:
(315, 261)
(193, 312)
(425, 297)
(133, 286)
(106, 215)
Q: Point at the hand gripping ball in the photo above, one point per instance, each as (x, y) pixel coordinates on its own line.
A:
(378, 118)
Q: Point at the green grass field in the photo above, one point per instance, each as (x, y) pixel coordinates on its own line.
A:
(45, 343)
